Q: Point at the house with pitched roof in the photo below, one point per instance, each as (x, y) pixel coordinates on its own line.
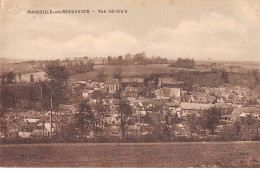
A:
(87, 93)
(167, 93)
(194, 109)
(67, 109)
(113, 86)
(131, 92)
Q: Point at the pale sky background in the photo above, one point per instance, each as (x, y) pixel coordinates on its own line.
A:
(217, 29)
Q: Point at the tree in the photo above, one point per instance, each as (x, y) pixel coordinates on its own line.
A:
(140, 58)
(146, 119)
(157, 109)
(151, 81)
(166, 118)
(125, 111)
(101, 75)
(82, 67)
(8, 78)
(45, 96)
(175, 119)
(7, 98)
(32, 95)
(3, 126)
(19, 77)
(128, 56)
(166, 133)
(256, 76)
(102, 111)
(192, 123)
(27, 95)
(58, 76)
(31, 78)
(109, 60)
(85, 118)
(118, 73)
(237, 127)
(210, 119)
(147, 92)
(252, 124)
(90, 64)
(183, 63)
(120, 59)
(55, 71)
(224, 77)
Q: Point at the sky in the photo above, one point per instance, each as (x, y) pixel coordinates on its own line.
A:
(198, 29)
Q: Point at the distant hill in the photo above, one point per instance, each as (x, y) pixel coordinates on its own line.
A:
(15, 65)
(9, 60)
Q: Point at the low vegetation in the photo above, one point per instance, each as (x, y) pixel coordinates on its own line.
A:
(183, 63)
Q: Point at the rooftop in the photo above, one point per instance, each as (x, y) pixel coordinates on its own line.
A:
(114, 82)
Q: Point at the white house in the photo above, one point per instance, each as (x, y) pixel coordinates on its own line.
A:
(113, 85)
(87, 93)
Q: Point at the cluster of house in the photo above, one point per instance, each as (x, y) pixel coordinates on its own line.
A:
(37, 124)
(169, 102)
(236, 103)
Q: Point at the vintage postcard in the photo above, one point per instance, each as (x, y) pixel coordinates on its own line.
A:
(130, 83)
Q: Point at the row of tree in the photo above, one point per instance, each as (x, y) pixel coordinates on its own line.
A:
(140, 59)
(38, 95)
(7, 78)
(76, 67)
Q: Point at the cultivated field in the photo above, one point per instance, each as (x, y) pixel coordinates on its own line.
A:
(38, 76)
(244, 65)
(127, 71)
(207, 154)
(23, 68)
(139, 70)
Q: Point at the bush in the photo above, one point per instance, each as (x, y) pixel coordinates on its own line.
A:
(183, 63)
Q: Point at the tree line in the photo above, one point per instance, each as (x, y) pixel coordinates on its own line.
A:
(34, 95)
(81, 66)
(139, 59)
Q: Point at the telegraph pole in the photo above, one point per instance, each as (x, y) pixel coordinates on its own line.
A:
(51, 120)
(122, 121)
(56, 122)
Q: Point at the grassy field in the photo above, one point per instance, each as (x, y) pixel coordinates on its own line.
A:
(127, 71)
(245, 65)
(208, 154)
(36, 75)
(139, 70)
(23, 68)
(200, 76)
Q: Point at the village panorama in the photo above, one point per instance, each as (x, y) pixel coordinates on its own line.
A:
(129, 98)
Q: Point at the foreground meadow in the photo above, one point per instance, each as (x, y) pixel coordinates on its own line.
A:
(207, 154)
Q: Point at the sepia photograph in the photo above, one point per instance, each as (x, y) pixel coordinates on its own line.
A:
(130, 84)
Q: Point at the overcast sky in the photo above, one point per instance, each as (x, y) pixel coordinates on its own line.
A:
(216, 29)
